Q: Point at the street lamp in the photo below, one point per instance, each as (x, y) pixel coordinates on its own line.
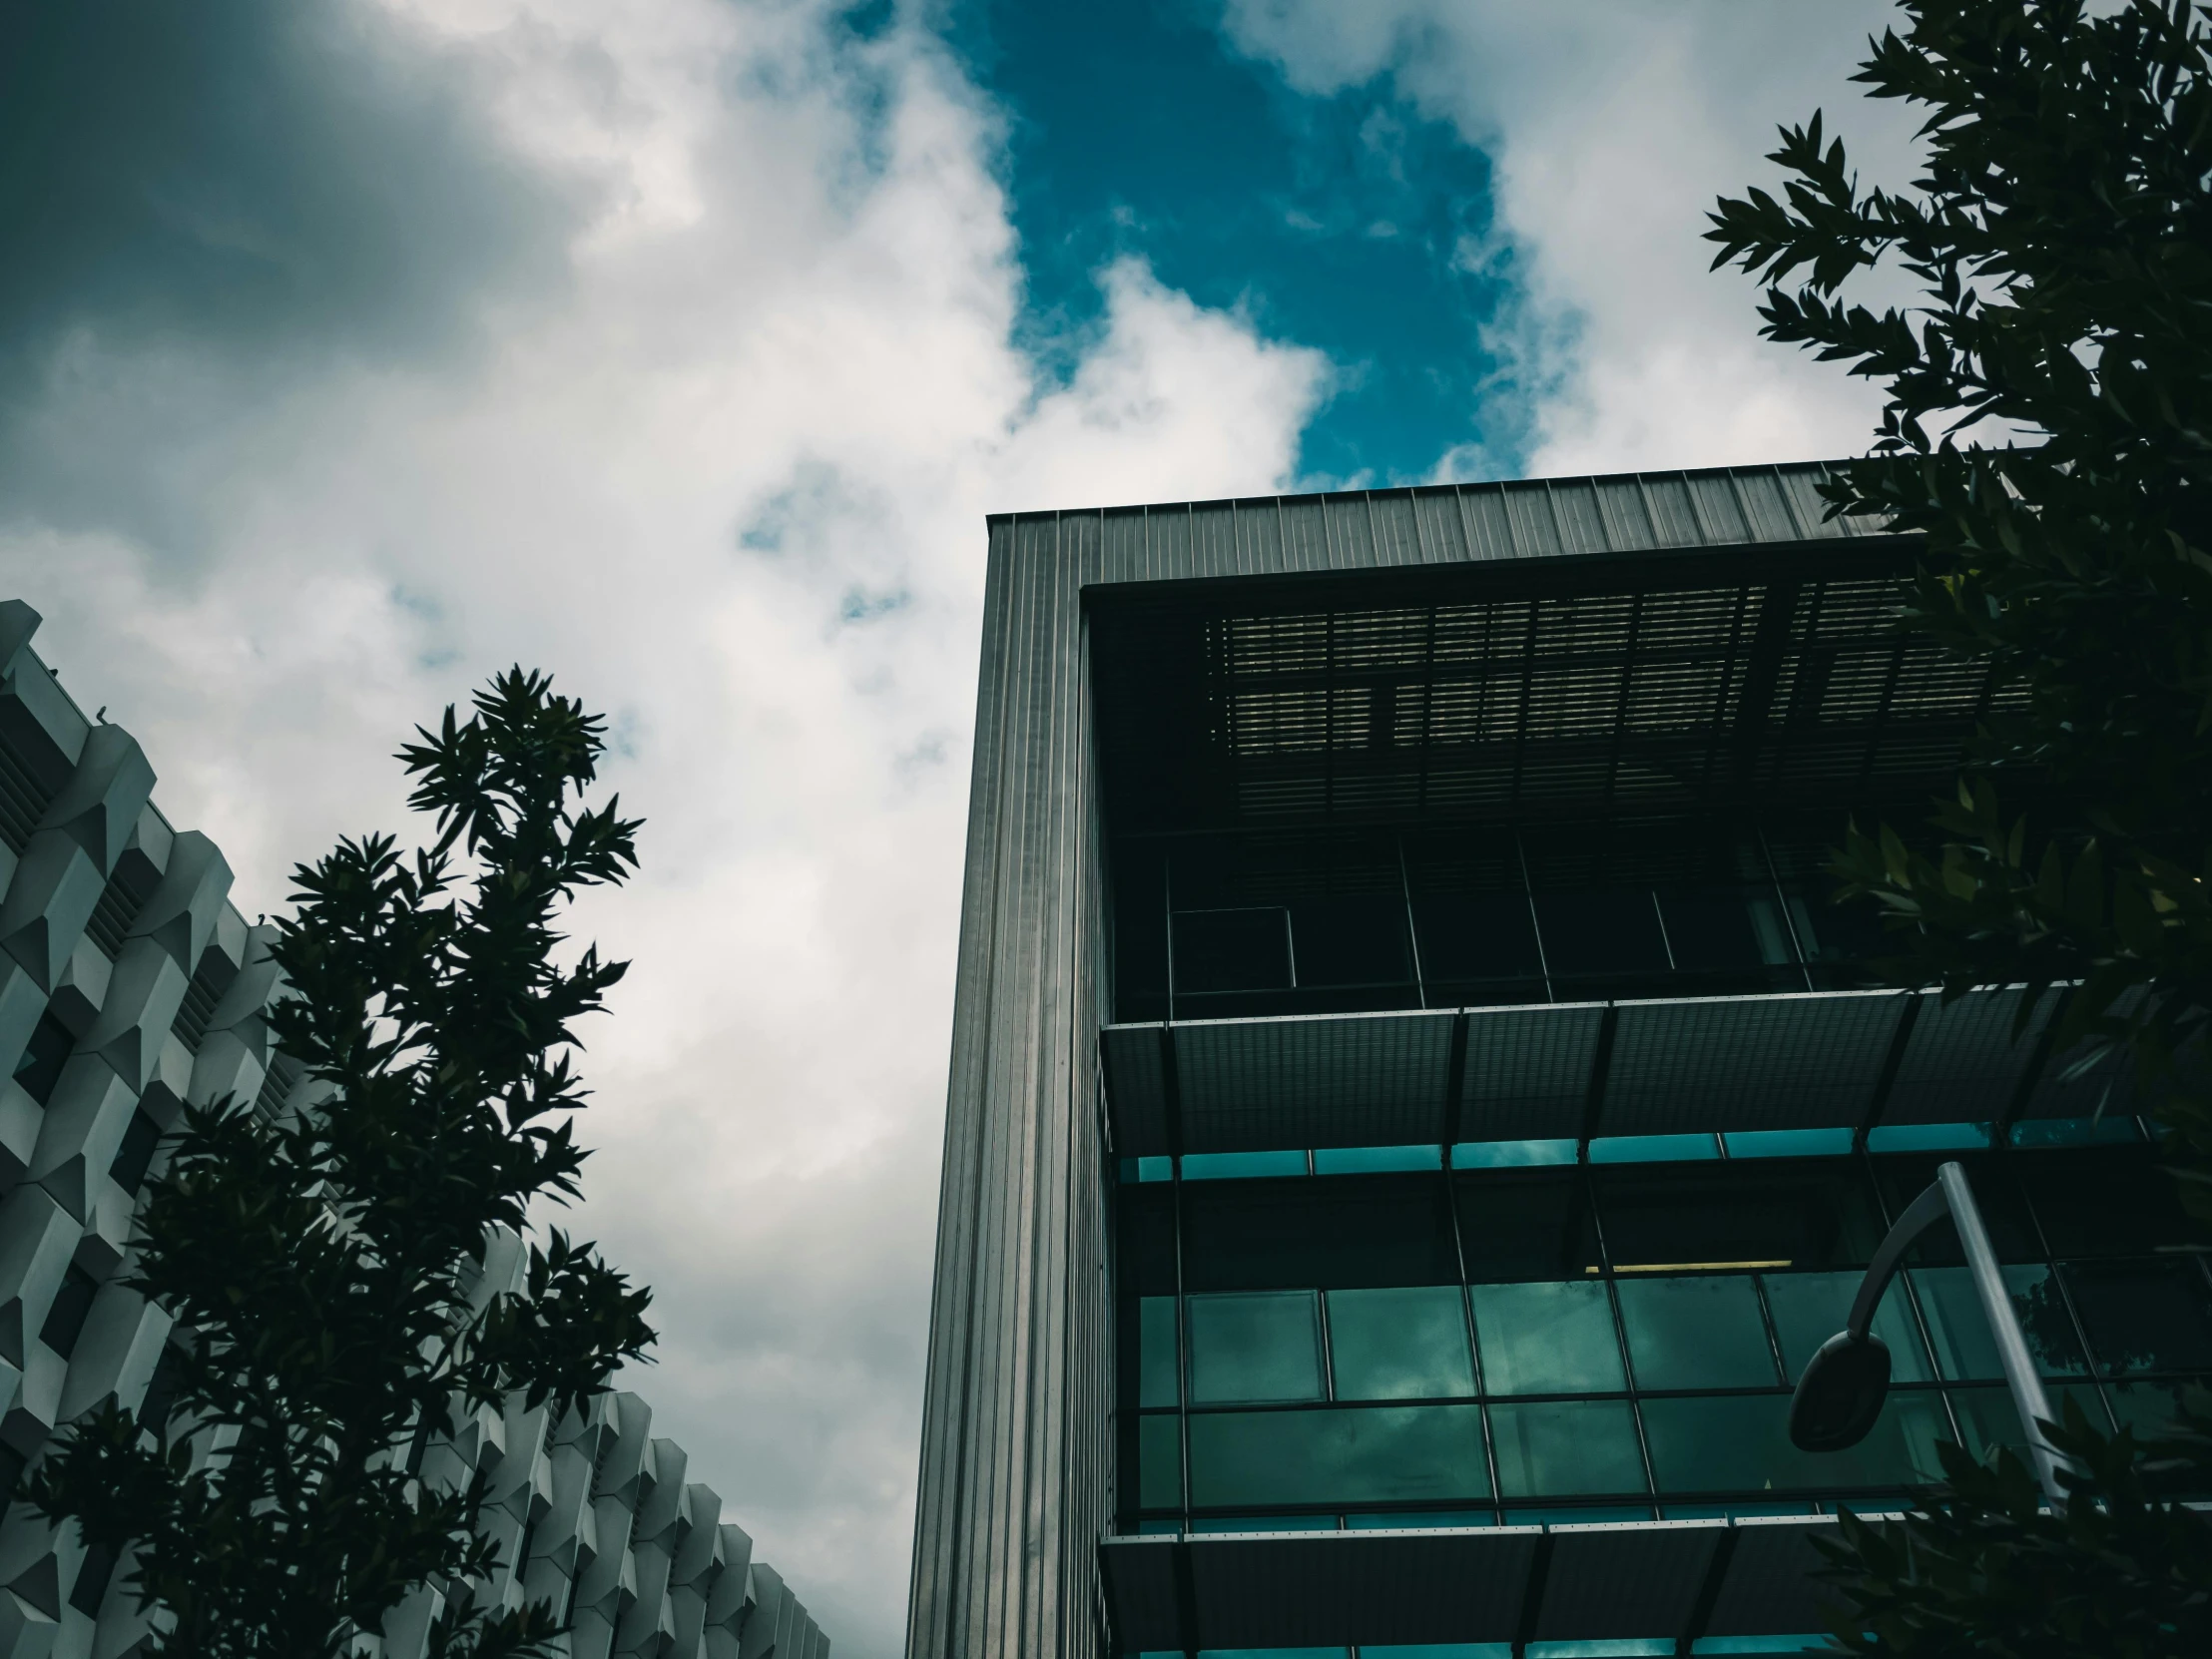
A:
(1844, 1383)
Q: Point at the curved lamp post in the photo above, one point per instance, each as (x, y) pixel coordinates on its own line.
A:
(1840, 1393)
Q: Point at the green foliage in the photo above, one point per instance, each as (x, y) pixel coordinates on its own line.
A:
(1984, 1569)
(2062, 232)
(328, 1268)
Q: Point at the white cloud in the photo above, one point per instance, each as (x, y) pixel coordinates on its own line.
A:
(725, 475)
(1612, 126)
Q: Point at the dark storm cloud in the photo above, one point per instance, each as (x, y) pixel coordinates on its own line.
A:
(248, 186)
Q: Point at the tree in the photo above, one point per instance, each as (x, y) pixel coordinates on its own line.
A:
(325, 1269)
(2062, 233)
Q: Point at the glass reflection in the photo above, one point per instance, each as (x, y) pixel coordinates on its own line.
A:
(1810, 1308)
(1548, 1338)
(1407, 1343)
(1254, 1346)
(1369, 1454)
(1966, 1349)
(1159, 1362)
(1701, 1333)
(1566, 1448)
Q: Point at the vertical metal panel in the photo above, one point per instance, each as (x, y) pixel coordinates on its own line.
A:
(1766, 508)
(1490, 530)
(1258, 535)
(1627, 520)
(1437, 517)
(1398, 539)
(1581, 525)
(1351, 541)
(1305, 534)
(1214, 538)
(1801, 487)
(1168, 539)
(1535, 529)
(1673, 513)
(1122, 559)
(1719, 517)
(1960, 1064)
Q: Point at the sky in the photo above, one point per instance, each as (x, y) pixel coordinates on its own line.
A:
(353, 350)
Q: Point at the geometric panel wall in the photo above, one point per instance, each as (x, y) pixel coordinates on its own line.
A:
(129, 985)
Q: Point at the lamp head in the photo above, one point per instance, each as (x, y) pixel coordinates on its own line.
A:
(1840, 1393)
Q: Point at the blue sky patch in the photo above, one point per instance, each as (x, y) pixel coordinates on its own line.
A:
(1345, 222)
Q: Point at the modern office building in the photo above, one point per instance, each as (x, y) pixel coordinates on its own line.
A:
(1413, 1108)
(129, 985)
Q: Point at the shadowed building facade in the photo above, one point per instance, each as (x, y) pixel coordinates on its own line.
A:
(1413, 1108)
(130, 986)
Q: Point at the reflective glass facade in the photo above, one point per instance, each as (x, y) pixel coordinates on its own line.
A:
(1614, 1342)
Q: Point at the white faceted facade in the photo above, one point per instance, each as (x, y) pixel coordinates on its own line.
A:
(129, 985)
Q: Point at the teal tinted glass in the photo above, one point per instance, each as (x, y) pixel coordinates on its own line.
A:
(1566, 1448)
(1510, 1154)
(1241, 1166)
(1788, 1143)
(1254, 1346)
(1372, 1455)
(1964, 1347)
(1653, 1148)
(1160, 1462)
(1159, 1362)
(1542, 1338)
(1741, 1444)
(1702, 1333)
(1399, 1344)
(1395, 1520)
(1810, 1308)
(1366, 1160)
(1987, 1419)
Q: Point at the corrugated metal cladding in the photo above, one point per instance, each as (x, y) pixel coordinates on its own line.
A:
(1017, 1472)
(1439, 524)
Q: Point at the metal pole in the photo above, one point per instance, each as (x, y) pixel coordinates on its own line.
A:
(2004, 1324)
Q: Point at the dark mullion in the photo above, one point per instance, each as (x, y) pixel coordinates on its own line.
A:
(1412, 931)
(1467, 1321)
(1535, 926)
(1782, 902)
(1620, 1337)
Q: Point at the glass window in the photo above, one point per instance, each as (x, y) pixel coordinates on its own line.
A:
(1254, 1346)
(2144, 1316)
(1653, 1148)
(1758, 1214)
(1601, 932)
(1405, 1344)
(1964, 1347)
(1241, 1166)
(2107, 1203)
(1787, 1143)
(1347, 1231)
(1359, 1454)
(1476, 936)
(1510, 1154)
(1160, 1462)
(1232, 951)
(1160, 1363)
(1696, 1332)
(1715, 929)
(1987, 1419)
(1367, 1160)
(1548, 1338)
(1927, 1137)
(1566, 1448)
(1352, 939)
(1810, 1308)
(2003, 1212)
(1741, 1444)
(1526, 1223)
